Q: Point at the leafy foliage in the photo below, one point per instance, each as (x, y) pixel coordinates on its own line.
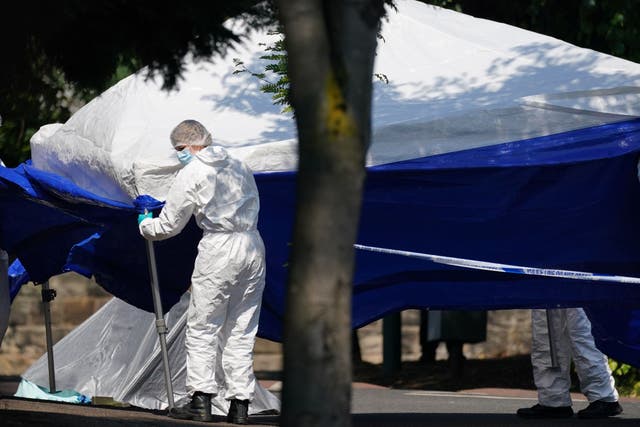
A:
(627, 378)
(48, 99)
(276, 68)
(280, 89)
(609, 26)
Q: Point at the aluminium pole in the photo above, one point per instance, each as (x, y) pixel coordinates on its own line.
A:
(161, 326)
(47, 296)
(391, 344)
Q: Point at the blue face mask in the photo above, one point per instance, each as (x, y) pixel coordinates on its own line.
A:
(185, 156)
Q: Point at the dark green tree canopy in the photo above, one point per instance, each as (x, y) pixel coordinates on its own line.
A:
(608, 26)
(88, 40)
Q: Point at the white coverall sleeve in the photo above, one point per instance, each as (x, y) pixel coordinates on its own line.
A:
(176, 212)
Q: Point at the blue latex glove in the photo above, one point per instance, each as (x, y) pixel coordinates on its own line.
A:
(143, 216)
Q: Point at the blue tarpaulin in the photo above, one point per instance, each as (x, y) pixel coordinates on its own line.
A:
(568, 201)
(18, 276)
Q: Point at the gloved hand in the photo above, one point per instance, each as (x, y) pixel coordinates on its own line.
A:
(143, 216)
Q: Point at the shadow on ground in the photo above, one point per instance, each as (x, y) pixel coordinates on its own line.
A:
(508, 372)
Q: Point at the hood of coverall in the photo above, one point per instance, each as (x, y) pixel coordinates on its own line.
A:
(212, 155)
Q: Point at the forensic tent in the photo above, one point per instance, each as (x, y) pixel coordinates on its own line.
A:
(115, 352)
(490, 143)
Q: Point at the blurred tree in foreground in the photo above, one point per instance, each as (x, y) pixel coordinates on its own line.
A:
(331, 47)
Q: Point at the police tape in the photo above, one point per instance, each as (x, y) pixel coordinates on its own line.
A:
(504, 268)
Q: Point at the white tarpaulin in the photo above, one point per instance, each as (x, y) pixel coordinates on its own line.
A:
(116, 353)
(454, 82)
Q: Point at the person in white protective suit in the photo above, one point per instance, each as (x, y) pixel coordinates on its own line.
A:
(229, 273)
(572, 338)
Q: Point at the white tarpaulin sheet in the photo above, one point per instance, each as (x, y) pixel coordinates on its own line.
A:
(116, 353)
(454, 82)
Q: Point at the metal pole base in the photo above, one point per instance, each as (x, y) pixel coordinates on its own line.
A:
(160, 323)
(391, 344)
(49, 295)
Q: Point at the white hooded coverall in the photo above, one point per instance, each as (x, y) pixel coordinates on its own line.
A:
(229, 273)
(571, 330)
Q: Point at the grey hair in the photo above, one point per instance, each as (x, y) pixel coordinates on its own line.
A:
(190, 132)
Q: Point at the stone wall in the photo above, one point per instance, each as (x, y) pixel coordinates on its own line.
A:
(508, 331)
(508, 334)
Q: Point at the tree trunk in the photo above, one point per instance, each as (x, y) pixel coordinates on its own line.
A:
(331, 48)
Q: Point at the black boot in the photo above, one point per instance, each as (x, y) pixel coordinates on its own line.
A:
(238, 412)
(199, 408)
(600, 409)
(541, 411)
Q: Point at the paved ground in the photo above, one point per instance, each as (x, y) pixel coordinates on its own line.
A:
(478, 407)
(373, 406)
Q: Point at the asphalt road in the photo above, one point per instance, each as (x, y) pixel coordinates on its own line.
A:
(372, 407)
(496, 407)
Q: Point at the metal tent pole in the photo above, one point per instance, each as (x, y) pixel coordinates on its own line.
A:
(48, 295)
(161, 326)
(553, 351)
(391, 344)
